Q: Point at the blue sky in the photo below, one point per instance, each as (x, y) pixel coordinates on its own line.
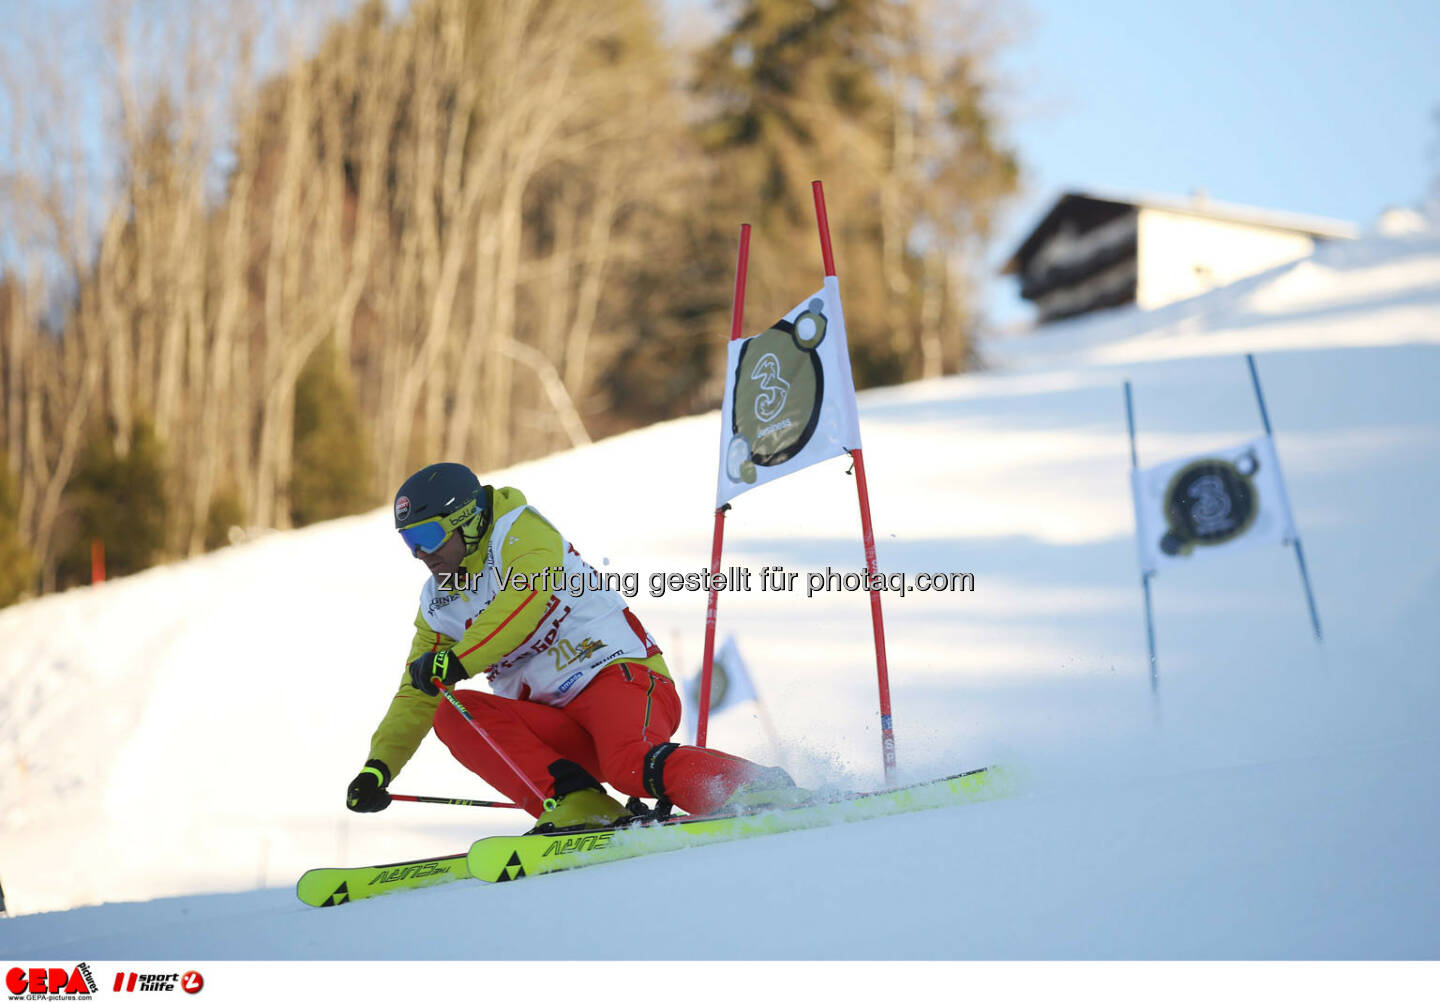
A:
(1319, 108)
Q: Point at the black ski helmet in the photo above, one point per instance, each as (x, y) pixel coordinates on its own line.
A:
(450, 490)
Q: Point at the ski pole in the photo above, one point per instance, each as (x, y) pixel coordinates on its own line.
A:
(545, 803)
(460, 801)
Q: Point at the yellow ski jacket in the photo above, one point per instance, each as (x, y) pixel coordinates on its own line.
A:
(527, 612)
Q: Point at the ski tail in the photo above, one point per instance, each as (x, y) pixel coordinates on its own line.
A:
(332, 886)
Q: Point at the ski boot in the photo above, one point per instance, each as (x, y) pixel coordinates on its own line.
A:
(771, 788)
(580, 810)
(580, 803)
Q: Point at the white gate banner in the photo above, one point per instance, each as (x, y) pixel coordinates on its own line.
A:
(1225, 499)
(789, 397)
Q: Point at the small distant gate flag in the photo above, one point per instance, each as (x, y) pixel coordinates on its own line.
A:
(789, 396)
(729, 681)
(730, 686)
(1228, 498)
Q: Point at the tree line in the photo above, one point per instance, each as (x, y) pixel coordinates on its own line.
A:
(466, 230)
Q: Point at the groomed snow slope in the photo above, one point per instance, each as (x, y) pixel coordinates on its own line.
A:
(184, 735)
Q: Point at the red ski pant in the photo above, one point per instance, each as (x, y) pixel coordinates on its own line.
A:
(625, 712)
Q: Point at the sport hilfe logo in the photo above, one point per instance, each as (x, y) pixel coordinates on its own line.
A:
(130, 982)
(30, 983)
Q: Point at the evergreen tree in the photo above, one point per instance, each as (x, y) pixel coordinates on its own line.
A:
(887, 104)
(225, 515)
(331, 459)
(118, 500)
(17, 564)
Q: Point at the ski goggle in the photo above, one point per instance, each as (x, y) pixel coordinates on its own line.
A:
(430, 534)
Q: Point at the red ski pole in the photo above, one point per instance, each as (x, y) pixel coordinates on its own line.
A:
(459, 801)
(546, 803)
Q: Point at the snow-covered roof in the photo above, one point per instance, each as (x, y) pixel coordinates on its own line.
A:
(1199, 204)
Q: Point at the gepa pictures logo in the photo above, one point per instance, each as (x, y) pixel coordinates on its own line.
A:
(68, 983)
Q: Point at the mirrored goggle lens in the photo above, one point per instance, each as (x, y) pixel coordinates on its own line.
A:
(429, 536)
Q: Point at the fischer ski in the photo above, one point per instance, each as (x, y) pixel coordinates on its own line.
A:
(327, 886)
(509, 858)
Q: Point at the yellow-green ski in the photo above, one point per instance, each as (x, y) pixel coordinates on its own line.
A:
(508, 858)
(327, 886)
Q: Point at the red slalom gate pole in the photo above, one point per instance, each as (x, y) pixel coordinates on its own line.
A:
(707, 665)
(546, 803)
(822, 220)
(737, 318)
(877, 620)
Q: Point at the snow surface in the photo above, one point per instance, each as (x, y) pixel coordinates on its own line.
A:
(176, 745)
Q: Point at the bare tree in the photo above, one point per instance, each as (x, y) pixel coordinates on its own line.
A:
(443, 195)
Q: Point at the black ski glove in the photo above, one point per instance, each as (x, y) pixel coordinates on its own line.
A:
(367, 791)
(445, 664)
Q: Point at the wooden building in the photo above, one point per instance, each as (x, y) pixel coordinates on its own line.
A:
(1091, 252)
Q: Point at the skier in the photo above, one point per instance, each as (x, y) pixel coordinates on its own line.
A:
(581, 691)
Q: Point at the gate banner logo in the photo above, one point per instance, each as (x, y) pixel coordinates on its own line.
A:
(1187, 507)
(1209, 502)
(789, 396)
